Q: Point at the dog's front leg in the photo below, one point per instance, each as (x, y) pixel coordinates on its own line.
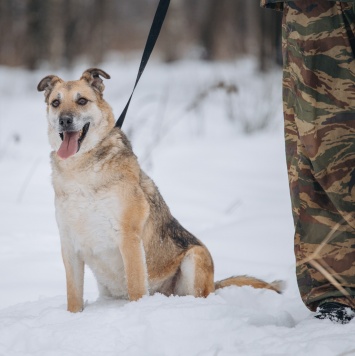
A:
(74, 270)
(131, 247)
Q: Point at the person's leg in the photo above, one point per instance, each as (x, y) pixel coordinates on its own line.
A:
(319, 110)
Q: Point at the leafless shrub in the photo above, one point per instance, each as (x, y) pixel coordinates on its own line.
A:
(164, 125)
(229, 89)
(257, 112)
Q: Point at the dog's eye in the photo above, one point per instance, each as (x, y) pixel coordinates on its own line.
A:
(82, 101)
(55, 103)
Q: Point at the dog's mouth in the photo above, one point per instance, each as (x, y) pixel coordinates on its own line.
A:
(72, 141)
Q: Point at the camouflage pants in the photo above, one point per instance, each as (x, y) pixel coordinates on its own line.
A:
(319, 112)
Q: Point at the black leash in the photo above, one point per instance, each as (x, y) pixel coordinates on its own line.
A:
(151, 40)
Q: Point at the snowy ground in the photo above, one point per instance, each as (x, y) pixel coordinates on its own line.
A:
(227, 187)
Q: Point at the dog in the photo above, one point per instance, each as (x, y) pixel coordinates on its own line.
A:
(110, 214)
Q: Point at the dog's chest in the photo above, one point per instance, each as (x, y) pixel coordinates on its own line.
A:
(88, 214)
(89, 217)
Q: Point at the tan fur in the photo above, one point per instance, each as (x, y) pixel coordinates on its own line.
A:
(133, 220)
(276, 286)
(74, 290)
(111, 215)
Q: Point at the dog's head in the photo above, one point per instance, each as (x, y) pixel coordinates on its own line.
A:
(78, 116)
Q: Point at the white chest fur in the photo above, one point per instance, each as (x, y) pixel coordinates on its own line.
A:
(88, 221)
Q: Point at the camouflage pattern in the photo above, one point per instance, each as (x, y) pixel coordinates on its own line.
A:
(319, 112)
(279, 4)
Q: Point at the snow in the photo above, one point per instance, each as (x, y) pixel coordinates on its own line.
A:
(226, 186)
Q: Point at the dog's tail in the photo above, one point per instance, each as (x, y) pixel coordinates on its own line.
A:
(277, 286)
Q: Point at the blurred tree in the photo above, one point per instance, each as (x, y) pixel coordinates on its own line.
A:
(61, 31)
(33, 49)
(223, 33)
(269, 39)
(175, 32)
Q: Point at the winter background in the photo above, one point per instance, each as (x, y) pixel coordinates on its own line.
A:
(211, 137)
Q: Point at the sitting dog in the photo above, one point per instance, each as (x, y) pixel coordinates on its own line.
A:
(110, 214)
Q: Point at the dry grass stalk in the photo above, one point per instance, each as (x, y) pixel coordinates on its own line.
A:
(319, 264)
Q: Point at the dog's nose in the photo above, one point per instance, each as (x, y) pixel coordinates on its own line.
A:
(65, 121)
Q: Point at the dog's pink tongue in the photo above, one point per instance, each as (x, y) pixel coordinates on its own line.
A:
(69, 145)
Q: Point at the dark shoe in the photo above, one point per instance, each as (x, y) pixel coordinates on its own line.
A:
(336, 312)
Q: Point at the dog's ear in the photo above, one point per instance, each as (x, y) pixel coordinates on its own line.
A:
(47, 84)
(92, 76)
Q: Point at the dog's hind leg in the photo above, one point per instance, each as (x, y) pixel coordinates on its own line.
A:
(195, 276)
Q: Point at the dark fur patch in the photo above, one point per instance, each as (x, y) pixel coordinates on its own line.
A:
(68, 86)
(102, 152)
(180, 236)
(125, 140)
(170, 228)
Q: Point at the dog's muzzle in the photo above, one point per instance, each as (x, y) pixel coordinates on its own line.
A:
(71, 140)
